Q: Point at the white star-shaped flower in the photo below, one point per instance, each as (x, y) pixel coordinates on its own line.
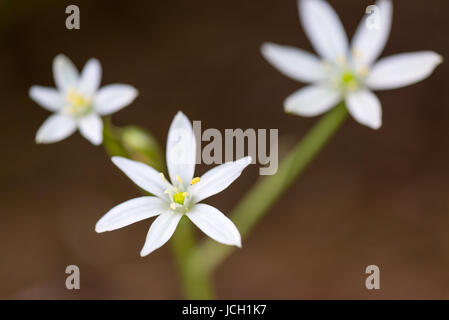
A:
(346, 72)
(77, 102)
(178, 198)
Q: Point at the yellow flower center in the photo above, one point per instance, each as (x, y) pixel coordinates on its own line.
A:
(78, 105)
(179, 197)
(349, 81)
(177, 194)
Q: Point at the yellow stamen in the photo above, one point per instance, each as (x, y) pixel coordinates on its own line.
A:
(173, 206)
(363, 71)
(357, 54)
(179, 179)
(195, 180)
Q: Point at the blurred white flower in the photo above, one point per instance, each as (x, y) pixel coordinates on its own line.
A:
(178, 198)
(77, 102)
(346, 72)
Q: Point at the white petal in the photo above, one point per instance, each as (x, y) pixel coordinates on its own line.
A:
(49, 98)
(65, 73)
(181, 149)
(401, 70)
(324, 29)
(215, 224)
(370, 38)
(129, 212)
(90, 78)
(113, 97)
(218, 179)
(160, 231)
(365, 108)
(311, 101)
(55, 128)
(294, 63)
(143, 175)
(91, 127)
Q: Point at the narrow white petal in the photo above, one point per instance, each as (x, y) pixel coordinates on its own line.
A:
(311, 101)
(91, 127)
(324, 29)
(129, 212)
(403, 69)
(49, 98)
(181, 149)
(294, 63)
(372, 34)
(160, 231)
(56, 128)
(65, 73)
(143, 175)
(365, 108)
(215, 224)
(90, 78)
(218, 179)
(113, 97)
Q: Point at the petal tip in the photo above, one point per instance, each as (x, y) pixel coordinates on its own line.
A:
(265, 48)
(32, 91)
(180, 115)
(39, 139)
(134, 93)
(145, 251)
(60, 58)
(99, 228)
(181, 120)
(437, 59)
(375, 125)
(288, 108)
(239, 244)
(96, 142)
(94, 60)
(117, 160)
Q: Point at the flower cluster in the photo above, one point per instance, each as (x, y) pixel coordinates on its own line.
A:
(342, 72)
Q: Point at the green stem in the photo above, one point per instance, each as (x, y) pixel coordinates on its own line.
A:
(194, 284)
(267, 190)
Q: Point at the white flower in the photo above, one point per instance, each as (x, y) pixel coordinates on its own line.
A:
(346, 72)
(178, 198)
(78, 102)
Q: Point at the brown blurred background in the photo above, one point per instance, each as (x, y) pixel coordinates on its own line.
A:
(371, 197)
